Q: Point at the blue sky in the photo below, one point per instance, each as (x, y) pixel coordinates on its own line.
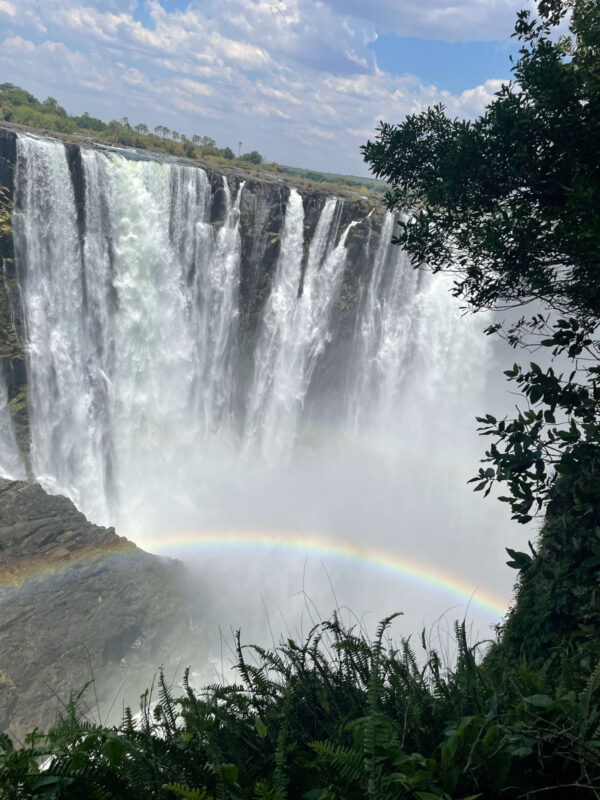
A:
(453, 66)
(305, 82)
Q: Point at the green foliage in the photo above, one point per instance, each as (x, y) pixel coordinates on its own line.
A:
(184, 791)
(336, 717)
(362, 185)
(253, 157)
(5, 211)
(21, 107)
(88, 123)
(510, 205)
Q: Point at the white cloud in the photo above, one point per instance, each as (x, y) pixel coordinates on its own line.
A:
(471, 101)
(246, 55)
(134, 77)
(116, 6)
(7, 8)
(20, 16)
(291, 78)
(459, 20)
(195, 87)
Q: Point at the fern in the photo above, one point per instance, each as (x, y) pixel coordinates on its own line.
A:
(590, 688)
(348, 762)
(184, 791)
(341, 717)
(167, 706)
(280, 781)
(263, 791)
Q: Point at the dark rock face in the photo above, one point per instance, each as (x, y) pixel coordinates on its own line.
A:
(12, 357)
(76, 602)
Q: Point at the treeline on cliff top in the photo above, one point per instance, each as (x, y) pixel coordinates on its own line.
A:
(22, 108)
(511, 204)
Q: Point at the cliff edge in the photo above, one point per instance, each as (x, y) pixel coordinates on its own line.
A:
(78, 602)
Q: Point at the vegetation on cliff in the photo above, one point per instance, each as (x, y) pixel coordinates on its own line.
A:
(17, 106)
(510, 204)
(21, 107)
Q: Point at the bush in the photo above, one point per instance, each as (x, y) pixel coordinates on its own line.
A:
(337, 716)
(89, 123)
(253, 158)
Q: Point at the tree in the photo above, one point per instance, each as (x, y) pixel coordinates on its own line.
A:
(52, 104)
(510, 205)
(175, 136)
(114, 127)
(228, 153)
(253, 157)
(141, 129)
(90, 123)
(10, 93)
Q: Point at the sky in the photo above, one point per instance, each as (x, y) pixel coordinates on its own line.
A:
(304, 82)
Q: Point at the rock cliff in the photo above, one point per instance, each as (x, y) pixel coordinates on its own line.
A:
(78, 602)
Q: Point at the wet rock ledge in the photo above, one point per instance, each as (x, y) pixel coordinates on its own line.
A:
(76, 602)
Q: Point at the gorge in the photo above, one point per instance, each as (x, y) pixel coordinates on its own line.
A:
(198, 358)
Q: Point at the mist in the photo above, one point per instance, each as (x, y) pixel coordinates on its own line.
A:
(345, 413)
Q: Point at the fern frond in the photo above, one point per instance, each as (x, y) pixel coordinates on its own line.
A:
(591, 686)
(348, 761)
(181, 790)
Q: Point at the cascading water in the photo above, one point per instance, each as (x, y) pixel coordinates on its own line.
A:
(60, 366)
(383, 336)
(149, 408)
(294, 327)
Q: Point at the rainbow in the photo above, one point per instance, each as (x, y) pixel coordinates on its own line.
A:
(180, 544)
(20, 572)
(307, 544)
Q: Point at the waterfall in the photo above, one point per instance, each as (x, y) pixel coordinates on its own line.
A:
(60, 366)
(269, 400)
(153, 407)
(131, 319)
(130, 327)
(294, 327)
(217, 282)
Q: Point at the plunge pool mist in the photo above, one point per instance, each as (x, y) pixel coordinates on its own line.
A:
(316, 457)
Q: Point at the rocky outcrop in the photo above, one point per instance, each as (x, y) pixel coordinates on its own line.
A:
(12, 356)
(78, 602)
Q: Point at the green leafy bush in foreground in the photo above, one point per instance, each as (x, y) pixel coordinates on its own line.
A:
(338, 716)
